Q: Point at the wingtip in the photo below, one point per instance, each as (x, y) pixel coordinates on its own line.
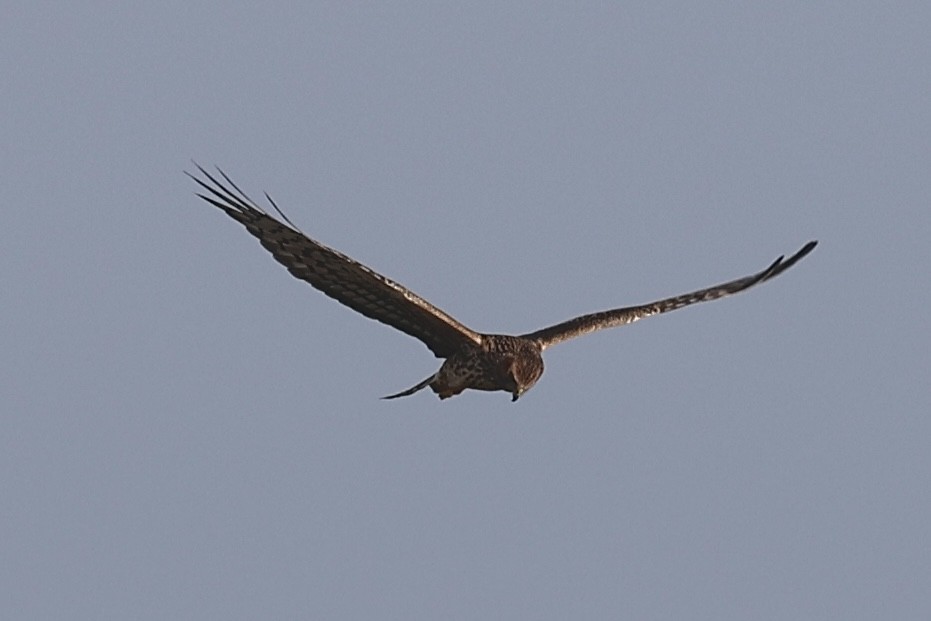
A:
(412, 389)
(805, 250)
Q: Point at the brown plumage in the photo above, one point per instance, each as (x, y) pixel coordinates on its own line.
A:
(472, 359)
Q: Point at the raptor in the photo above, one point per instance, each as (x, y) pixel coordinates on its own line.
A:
(511, 363)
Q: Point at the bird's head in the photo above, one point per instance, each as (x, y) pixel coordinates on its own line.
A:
(524, 372)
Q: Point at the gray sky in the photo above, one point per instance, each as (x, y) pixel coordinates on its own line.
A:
(189, 433)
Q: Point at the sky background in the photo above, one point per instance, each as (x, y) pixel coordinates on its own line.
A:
(189, 433)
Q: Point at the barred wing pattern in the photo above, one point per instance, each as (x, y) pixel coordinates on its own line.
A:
(621, 316)
(338, 276)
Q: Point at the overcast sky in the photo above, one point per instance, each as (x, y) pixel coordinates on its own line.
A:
(190, 433)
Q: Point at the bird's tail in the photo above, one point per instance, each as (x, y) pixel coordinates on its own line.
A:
(412, 389)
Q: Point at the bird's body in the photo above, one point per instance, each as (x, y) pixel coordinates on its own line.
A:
(502, 362)
(490, 362)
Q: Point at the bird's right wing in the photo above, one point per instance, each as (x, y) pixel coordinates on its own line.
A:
(622, 316)
(338, 276)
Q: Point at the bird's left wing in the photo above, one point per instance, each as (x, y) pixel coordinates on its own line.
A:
(622, 316)
(338, 276)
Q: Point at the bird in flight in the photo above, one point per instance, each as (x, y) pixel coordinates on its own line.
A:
(511, 363)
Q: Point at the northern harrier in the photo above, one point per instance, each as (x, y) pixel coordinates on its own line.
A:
(472, 359)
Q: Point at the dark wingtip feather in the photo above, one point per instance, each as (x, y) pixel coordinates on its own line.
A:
(281, 213)
(412, 389)
(783, 265)
(235, 199)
